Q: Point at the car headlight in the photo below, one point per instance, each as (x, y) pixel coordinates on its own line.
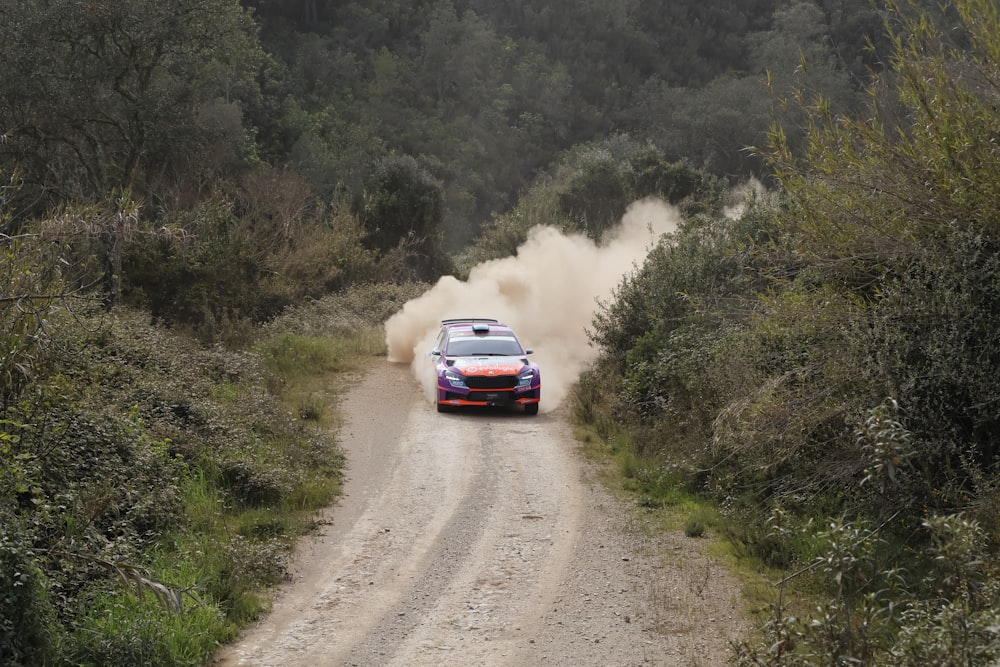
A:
(525, 378)
(454, 379)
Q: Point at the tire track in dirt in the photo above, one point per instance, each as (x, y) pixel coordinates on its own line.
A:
(458, 525)
(474, 538)
(517, 535)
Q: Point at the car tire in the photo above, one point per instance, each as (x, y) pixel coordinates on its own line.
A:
(443, 408)
(531, 408)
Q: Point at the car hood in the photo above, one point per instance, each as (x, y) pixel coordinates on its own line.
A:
(473, 366)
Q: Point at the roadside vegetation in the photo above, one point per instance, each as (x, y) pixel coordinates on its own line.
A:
(152, 487)
(207, 206)
(823, 368)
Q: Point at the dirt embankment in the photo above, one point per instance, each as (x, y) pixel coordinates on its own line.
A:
(482, 538)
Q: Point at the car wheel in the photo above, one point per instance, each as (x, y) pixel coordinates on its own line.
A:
(443, 407)
(531, 408)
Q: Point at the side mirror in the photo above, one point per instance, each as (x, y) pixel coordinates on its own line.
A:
(529, 351)
(435, 353)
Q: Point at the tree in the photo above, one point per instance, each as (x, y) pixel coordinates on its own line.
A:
(99, 95)
(403, 205)
(894, 212)
(875, 273)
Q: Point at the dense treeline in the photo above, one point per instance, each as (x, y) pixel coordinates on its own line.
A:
(825, 365)
(231, 138)
(203, 166)
(162, 101)
(491, 91)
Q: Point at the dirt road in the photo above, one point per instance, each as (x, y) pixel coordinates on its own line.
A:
(481, 538)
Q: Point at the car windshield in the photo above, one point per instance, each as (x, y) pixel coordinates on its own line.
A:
(484, 346)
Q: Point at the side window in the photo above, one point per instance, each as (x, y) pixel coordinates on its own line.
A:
(439, 343)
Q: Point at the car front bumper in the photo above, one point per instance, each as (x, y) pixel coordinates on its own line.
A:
(489, 397)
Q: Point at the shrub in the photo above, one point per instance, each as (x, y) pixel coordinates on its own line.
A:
(347, 313)
(245, 256)
(27, 631)
(694, 527)
(403, 204)
(254, 484)
(141, 456)
(875, 614)
(588, 193)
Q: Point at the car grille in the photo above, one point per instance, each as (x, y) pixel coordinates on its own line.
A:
(491, 382)
(489, 397)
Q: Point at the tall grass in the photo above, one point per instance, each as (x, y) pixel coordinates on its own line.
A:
(294, 357)
(124, 629)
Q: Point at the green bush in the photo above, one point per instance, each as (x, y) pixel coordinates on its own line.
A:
(345, 314)
(242, 256)
(28, 633)
(140, 456)
(833, 353)
(873, 613)
(404, 204)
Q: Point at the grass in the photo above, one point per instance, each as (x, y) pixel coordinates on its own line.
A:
(232, 553)
(305, 364)
(644, 480)
(294, 357)
(127, 629)
(314, 491)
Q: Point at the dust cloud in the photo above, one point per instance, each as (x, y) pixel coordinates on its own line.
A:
(742, 195)
(548, 292)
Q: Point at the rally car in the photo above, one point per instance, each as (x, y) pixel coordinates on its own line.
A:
(480, 361)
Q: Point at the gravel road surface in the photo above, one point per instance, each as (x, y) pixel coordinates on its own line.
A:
(484, 538)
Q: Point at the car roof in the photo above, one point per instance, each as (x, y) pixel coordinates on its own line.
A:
(459, 321)
(479, 324)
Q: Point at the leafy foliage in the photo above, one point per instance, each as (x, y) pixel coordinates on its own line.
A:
(222, 164)
(403, 207)
(756, 356)
(776, 334)
(42, 274)
(136, 457)
(880, 614)
(98, 98)
(878, 217)
(240, 127)
(26, 614)
(345, 314)
(243, 257)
